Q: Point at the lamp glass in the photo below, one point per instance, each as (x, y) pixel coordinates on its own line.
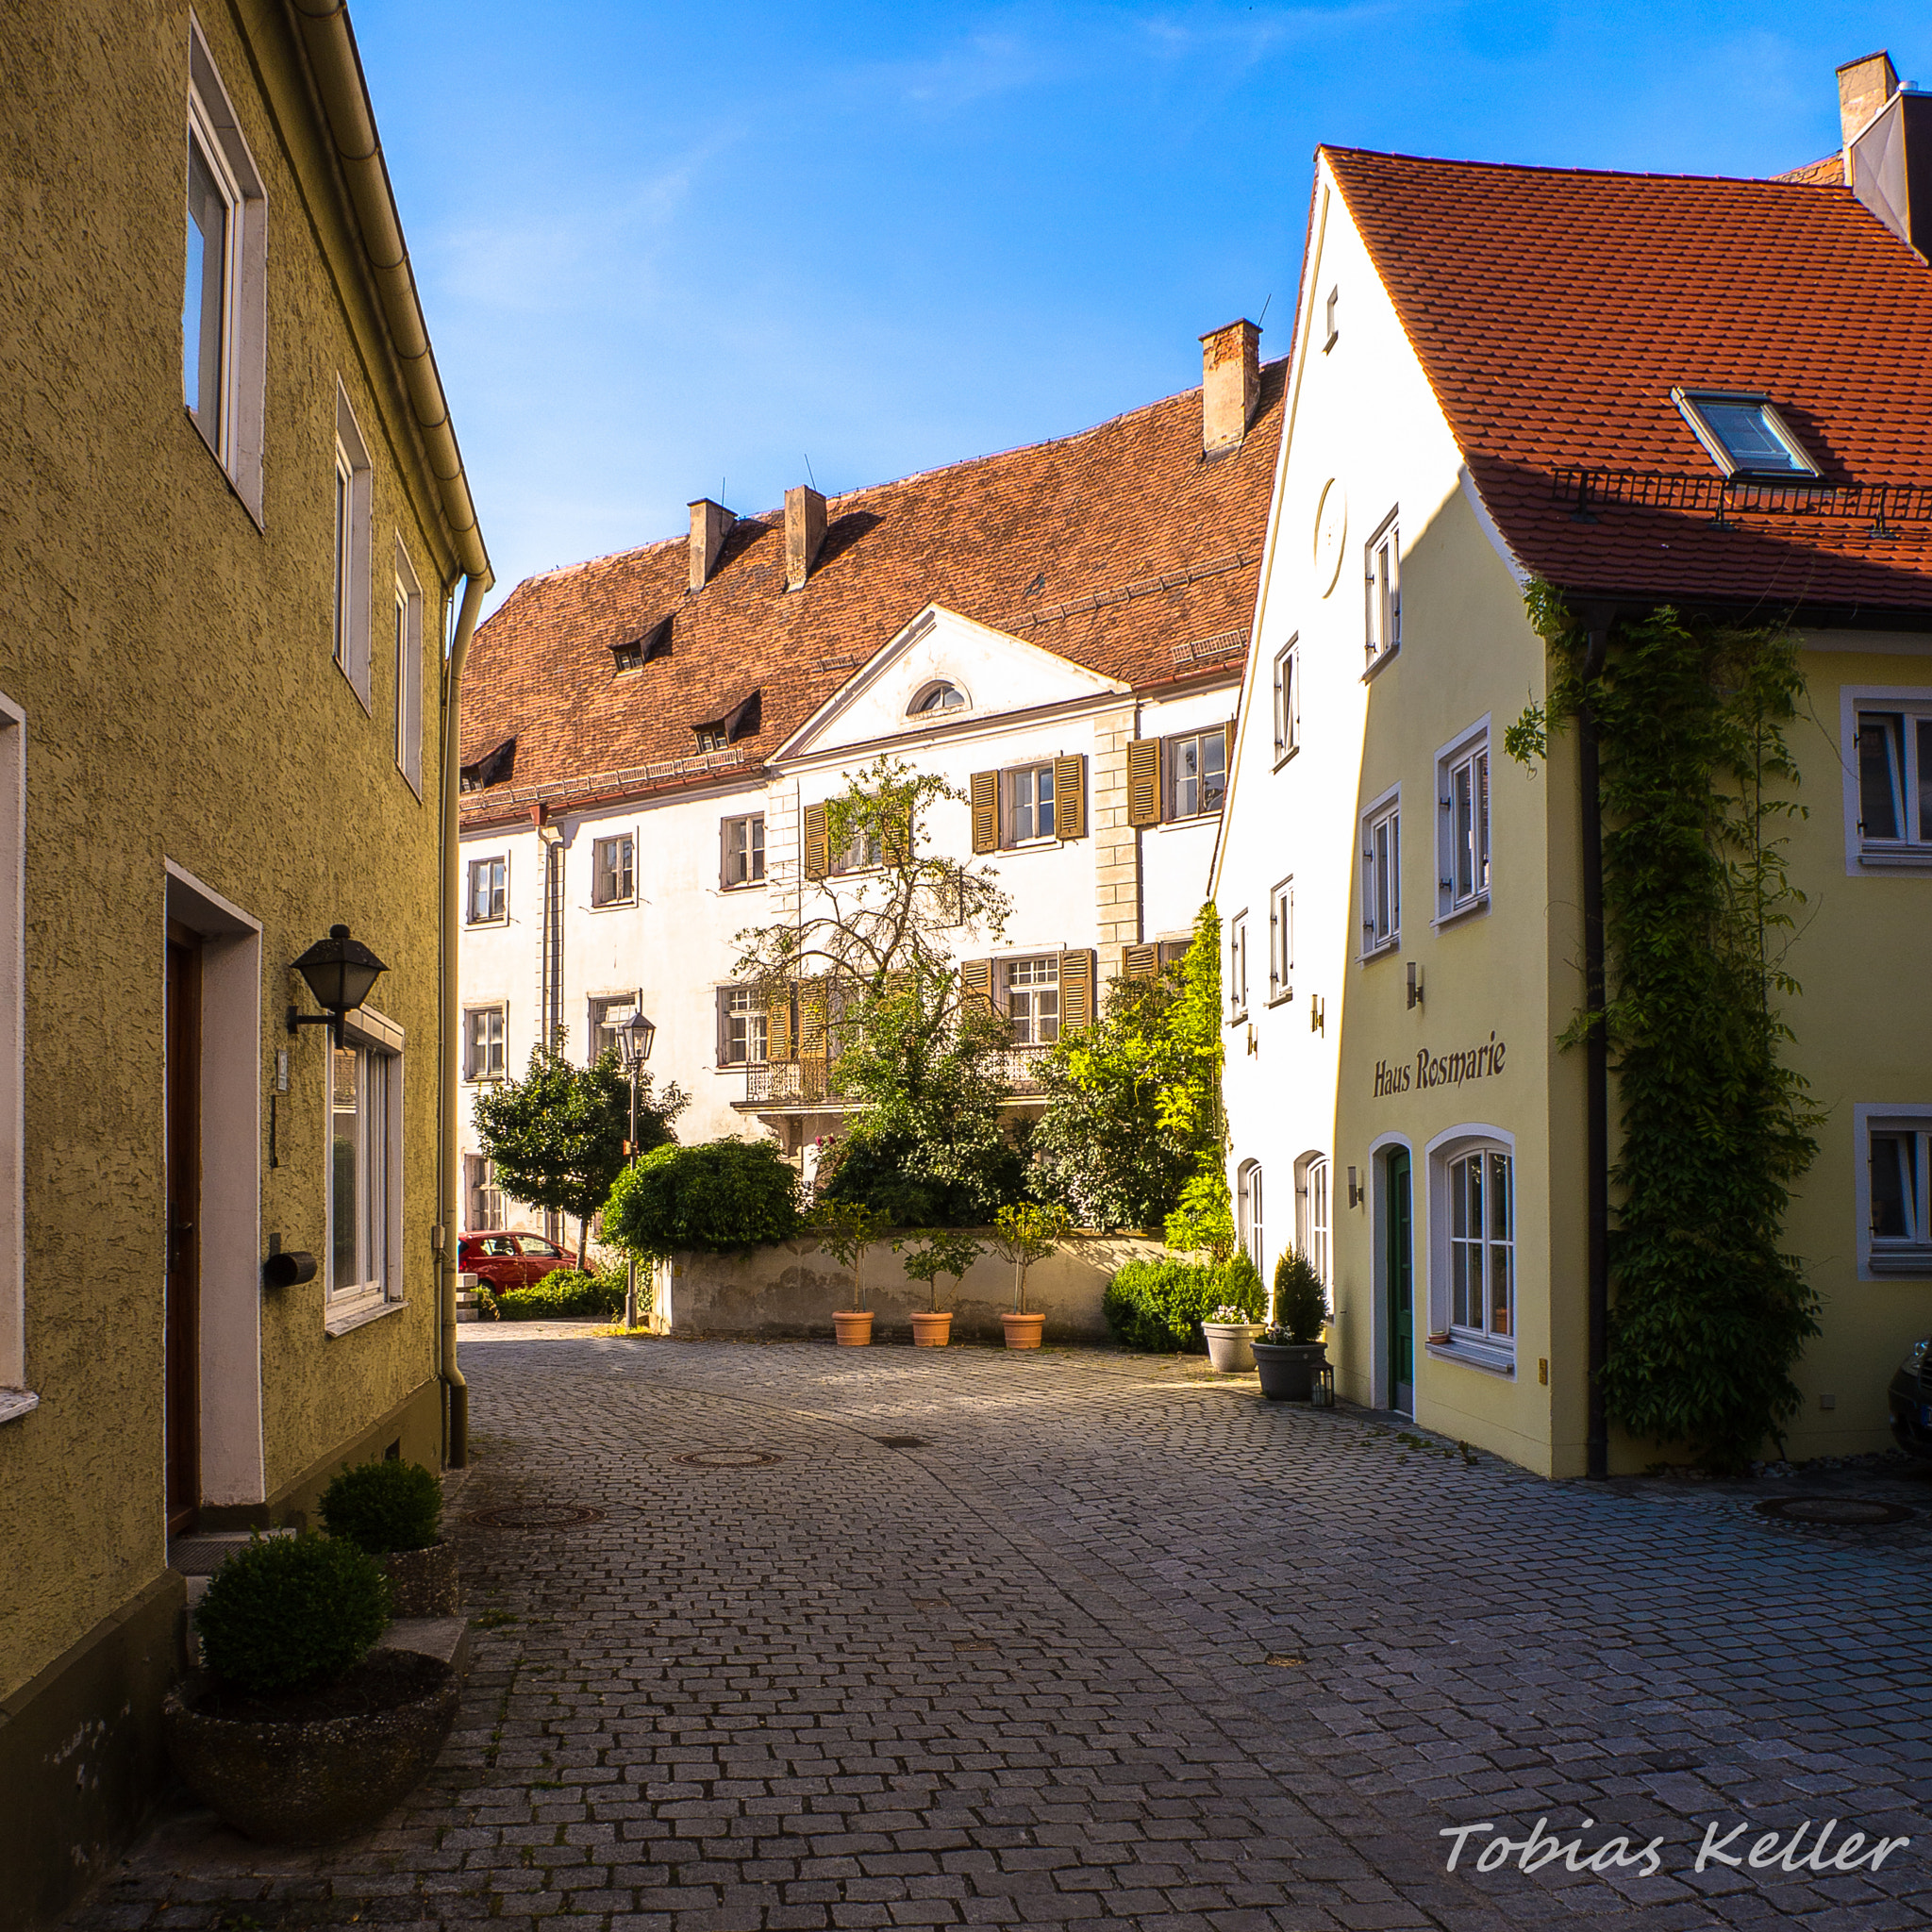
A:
(637, 1034)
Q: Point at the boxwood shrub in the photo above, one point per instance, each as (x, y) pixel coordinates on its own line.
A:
(712, 1198)
(291, 1611)
(1159, 1304)
(563, 1292)
(383, 1507)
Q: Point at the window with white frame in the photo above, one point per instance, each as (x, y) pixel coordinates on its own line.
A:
(608, 1012)
(1382, 877)
(488, 901)
(1196, 773)
(355, 502)
(1894, 765)
(365, 1168)
(741, 1026)
(613, 870)
(1237, 967)
(1311, 1211)
(1033, 1000)
(1248, 1199)
(1479, 1235)
(1029, 803)
(483, 1198)
(484, 1030)
(409, 653)
(1287, 700)
(1898, 1190)
(863, 851)
(1384, 591)
(1462, 815)
(1281, 942)
(744, 850)
(14, 1398)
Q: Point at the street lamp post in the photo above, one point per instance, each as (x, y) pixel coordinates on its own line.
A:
(635, 1036)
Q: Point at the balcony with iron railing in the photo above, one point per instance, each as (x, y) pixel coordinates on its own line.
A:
(812, 1084)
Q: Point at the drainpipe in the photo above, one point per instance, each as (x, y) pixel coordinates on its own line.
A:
(1596, 1052)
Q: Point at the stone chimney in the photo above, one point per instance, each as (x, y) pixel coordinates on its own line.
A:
(1230, 385)
(804, 530)
(1864, 88)
(710, 523)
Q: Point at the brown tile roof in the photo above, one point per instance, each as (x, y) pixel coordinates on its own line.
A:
(1827, 172)
(1553, 311)
(1120, 548)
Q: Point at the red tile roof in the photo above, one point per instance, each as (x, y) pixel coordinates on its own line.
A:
(1827, 172)
(1121, 549)
(1553, 311)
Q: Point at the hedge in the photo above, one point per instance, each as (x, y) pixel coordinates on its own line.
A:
(1160, 1306)
(564, 1292)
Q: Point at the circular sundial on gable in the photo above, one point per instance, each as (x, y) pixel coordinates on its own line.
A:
(1331, 533)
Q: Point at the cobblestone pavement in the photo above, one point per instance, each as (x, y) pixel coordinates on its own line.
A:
(994, 1639)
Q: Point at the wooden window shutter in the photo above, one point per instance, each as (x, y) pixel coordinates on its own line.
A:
(986, 811)
(975, 985)
(1076, 988)
(1144, 782)
(1070, 797)
(814, 1041)
(1227, 750)
(817, 857)
(896, 845)
(722, 998)
(1139, 962)
(779, 1023)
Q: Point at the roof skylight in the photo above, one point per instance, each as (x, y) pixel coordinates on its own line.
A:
(1744, 435)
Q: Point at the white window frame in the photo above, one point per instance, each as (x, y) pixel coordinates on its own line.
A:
(408, 652)
(1171, 774)
(619, 894)
(243, 378)
(1881, 1259)
(1288, 701)
(1281, 942)
(1237, 967)
(353, 500)
(1313, 1210)
(498, 1010)
(1023, 786)
(923, 705)
(379, 1040)
(16, 1398)
(1251, 1215)
(1380, 860)
(1464, 758)
(742, 1004)
(732, 841)
(1030, 989)
(502, 918)
(1484, 1348)
(1382, 593)
(1865, 858)
(601, 1014)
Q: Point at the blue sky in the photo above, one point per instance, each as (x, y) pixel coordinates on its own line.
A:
(669, 250)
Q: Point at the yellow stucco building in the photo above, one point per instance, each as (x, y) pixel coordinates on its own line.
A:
(233, 529)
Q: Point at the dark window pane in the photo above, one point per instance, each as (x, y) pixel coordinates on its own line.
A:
(1892, 1185)
(201, 301)
(1879, 773)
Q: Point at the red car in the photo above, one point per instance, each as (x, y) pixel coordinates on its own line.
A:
(501, 1259)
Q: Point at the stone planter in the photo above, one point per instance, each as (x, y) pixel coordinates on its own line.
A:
(1022, 1331)
(1288, 1368)
(421, 1583)
(1228, 1349)
(852, 1326)
(312, 1780)
(930, 1329)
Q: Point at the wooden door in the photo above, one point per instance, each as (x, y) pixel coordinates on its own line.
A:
(1399, 1235)
(182, 1029)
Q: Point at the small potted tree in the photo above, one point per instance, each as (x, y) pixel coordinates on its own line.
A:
(1290, 1349)
(301, 1732)
(393, 1512)
(1026, 1234)
(1231, 1329)
(845, 1229)
(937, 1251)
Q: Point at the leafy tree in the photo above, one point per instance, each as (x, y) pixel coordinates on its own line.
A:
(936, 1251)
(1204, 1217)
(716, 1197)
(845, 1229)
(1026, 1233)
(557, 1135)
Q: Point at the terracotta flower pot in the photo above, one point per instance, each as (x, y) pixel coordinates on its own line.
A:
(1022, 1331)
(421, 1583)
(932, 1329)
(852, 1326)
(1229, 1348)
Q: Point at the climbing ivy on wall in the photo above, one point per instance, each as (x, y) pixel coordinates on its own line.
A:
(1709, 1314)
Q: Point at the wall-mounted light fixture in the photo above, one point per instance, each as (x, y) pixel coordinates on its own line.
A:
(1415, 984)
(1357, 1193)
(1318, 1015)
(341, 972)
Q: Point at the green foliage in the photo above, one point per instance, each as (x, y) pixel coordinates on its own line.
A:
(845, 1229)
(1201, 1220)
(936, 1251)
(710, 1199)
(565, 1293)
(1710, 1314)
(1160, 1306)
(1301, 1300)
(1203, 1224)
(486, 1302)
(291, 1611)
(556, 1134)
(380, 1507)
(1027, 1232)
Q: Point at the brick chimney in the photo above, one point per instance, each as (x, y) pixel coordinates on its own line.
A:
(1230, 385)
(710, 523)
(804, 530)
(1864, 88)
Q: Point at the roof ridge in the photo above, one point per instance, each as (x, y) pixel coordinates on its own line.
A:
(1374, 154)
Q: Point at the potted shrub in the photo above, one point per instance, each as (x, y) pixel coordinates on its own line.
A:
(937, 1251)
(1026, 1234)
(300, 1732)
(1289, 1351)
(393, 1512)
(845, 1229)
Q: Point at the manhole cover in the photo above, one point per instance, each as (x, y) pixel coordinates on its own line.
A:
(536, 1516)
(900, 1441)
(1840, 1512)
(727, 1459)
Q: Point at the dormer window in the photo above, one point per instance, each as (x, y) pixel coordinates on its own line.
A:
(495, 767)
(936, 697)
(745, 719)
(1744, 435)
(635, 653)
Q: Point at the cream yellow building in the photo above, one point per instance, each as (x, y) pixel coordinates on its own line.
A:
(233, 526)
(1645, 390)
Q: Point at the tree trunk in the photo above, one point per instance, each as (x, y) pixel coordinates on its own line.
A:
(583, 1236)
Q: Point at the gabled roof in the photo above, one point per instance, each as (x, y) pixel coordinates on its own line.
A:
(1554, 310)
(1121, 549)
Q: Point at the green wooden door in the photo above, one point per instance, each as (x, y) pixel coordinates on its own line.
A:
(1399, 1240)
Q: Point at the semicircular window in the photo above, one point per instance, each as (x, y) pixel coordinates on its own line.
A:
(941, 696)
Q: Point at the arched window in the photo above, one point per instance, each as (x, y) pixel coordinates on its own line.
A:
(938, 696)
(1311, 1211)
(1482, 1244)
(1248, 1187)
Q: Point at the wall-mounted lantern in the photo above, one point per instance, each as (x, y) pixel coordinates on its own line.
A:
(1415, 985)
(1357, 1195)
(341, 972)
